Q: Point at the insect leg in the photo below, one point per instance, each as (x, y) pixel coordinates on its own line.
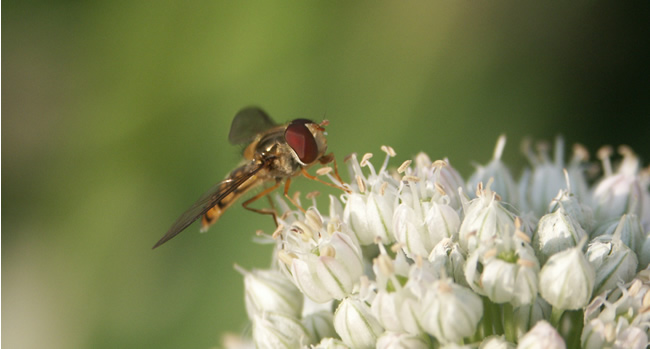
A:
(326, 159)
(306, 174)
(265, 192)
(287, 184)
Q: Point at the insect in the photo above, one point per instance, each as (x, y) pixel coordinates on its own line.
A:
(275, 153)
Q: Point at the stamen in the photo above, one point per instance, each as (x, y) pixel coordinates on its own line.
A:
(324, 170)
(278, 231)
(382, 188)
(388, 150)
(439, 163)
(361, 184)
(364, 159)
(490, 253)
(603, 154)
(444, 287)
(498, 150)
(440, 189)
(286, 258)
(313, 220)
(327, 251)
(580, 153)
(404, 166)
(525, 263)
(385, 264)
(566, 178)
(312, 194)
(409, 178)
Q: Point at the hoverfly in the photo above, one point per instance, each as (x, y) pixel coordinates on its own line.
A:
(274, 153)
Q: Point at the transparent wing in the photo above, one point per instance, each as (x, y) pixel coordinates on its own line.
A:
(247, 123)
(210, 198)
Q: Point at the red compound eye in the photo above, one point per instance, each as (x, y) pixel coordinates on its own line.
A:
(301, 140)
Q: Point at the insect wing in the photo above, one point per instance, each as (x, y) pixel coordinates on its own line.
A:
(208, 200)
(247, 124)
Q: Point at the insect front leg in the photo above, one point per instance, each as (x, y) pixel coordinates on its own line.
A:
(326, 159)
(287, 184)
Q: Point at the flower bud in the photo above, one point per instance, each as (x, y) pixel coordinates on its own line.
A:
(540, 185)
(556, 232)
(447, 257)
(574, 208)
(567, 279)
(272, 330)
(504, 185)
(485, 219)
(355, 324)
(622, 192)
(396, 311)
(496, 342)
(542, 336)
(505, 281)
(440, 179)
(450, 312)
(394, 340)
(330, 343)
(629, 229)
(319, 325)
(613, 262)
(270, 291)
(333, 273)
(369, 208)
(644, 253)
(527, 315)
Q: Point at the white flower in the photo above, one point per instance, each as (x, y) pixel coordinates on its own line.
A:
(369, 208)
(644, 252)
(420, 228)
(496, 342)
(506, 273)
(542, 336)
(541, 185)
(270, 291)
(440, 180)
(450, 312)
(497, 171)
(330, 343)
(629, 229)
(272, 330)
(356, 325)
(448, 258)
(625, 191)
(556, 232)
(424, 216)
(394, 340)
(323, 262)
(527, 315)
(619, 318)
(566, 281)
(613, 261)
(394, 305)
(319, 325)
(485, 219)
(569, 203)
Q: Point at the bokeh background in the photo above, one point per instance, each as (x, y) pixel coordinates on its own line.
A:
(115, 117)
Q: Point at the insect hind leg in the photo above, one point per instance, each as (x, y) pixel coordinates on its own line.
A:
(262, 194)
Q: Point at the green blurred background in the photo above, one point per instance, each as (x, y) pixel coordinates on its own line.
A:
(115, 117)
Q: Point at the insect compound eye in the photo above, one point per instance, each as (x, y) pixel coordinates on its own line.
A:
(301, 140)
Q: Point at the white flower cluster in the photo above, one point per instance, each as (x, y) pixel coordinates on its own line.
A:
(420, 258)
